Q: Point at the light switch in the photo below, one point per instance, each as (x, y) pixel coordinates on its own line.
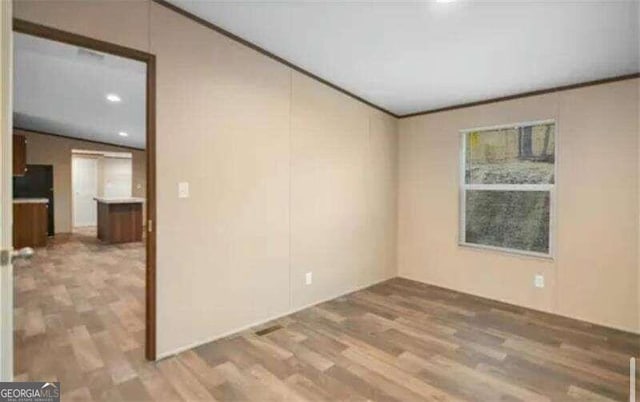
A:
(183, 189)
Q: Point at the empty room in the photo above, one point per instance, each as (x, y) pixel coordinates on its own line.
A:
(319, 200)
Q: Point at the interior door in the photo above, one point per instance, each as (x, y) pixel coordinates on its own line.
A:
(84, 171)
(6, 202)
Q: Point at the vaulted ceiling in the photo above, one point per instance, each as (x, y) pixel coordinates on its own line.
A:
(62, 89)
(413, 56)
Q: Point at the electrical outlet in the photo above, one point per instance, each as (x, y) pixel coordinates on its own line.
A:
(308, 278)
(538, 281)
(183, 189)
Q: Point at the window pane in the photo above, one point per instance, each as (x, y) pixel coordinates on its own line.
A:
(508, 219)
(523, 155)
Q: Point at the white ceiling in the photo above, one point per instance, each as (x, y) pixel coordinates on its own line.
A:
(420, 55)
(61, 90)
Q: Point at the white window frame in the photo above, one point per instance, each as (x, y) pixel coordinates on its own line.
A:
(551, 188)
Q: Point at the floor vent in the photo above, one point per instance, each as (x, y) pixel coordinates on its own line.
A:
(268, 330)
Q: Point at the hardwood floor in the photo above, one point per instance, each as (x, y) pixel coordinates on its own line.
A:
(80, 320)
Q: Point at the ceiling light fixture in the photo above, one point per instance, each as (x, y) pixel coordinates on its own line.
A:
(123, 134)
(445, 1)
(113, 98)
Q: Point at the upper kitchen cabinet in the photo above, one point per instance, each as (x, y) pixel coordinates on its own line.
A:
(19, 155)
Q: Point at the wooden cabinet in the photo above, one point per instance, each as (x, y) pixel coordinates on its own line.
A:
(19, 155)
(119, 222)
(29, 224)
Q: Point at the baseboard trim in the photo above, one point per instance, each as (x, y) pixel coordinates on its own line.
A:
(214, 338)
(582, 320)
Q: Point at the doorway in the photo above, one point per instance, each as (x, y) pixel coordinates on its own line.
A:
(84, 187)
(84, 213)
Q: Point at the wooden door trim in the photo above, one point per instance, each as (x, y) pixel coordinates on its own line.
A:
(57, 35)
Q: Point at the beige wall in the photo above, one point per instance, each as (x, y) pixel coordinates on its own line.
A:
(223, 126)
(56, 151)
(343, 189)
(286, 175)
(123, 22)
(594, 276)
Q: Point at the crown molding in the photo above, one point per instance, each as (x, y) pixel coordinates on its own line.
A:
(267, 53)
(525, 94)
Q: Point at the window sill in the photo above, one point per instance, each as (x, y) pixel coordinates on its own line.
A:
(507, 251)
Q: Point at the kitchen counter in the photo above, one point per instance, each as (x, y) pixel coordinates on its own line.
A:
(119, 219)
(129, 200)
(30, 222)
(30, 200)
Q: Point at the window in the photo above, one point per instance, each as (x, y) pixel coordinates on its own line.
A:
(507, 188)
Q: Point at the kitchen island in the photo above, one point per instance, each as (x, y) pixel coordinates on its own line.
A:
(30, 222)
(119, 219)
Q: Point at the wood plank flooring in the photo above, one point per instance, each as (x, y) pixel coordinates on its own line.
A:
(79, 308)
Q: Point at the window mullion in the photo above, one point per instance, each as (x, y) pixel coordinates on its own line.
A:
(509, 187)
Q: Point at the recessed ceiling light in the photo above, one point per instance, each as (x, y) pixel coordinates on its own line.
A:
(123, 134)
(113, 98)
(445, 1)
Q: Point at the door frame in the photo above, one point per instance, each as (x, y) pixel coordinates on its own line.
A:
(6, 193)
(45, 32)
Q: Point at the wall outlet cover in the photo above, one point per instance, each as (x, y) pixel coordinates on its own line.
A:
(308, 278)
(538, 281)
(183, 189)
